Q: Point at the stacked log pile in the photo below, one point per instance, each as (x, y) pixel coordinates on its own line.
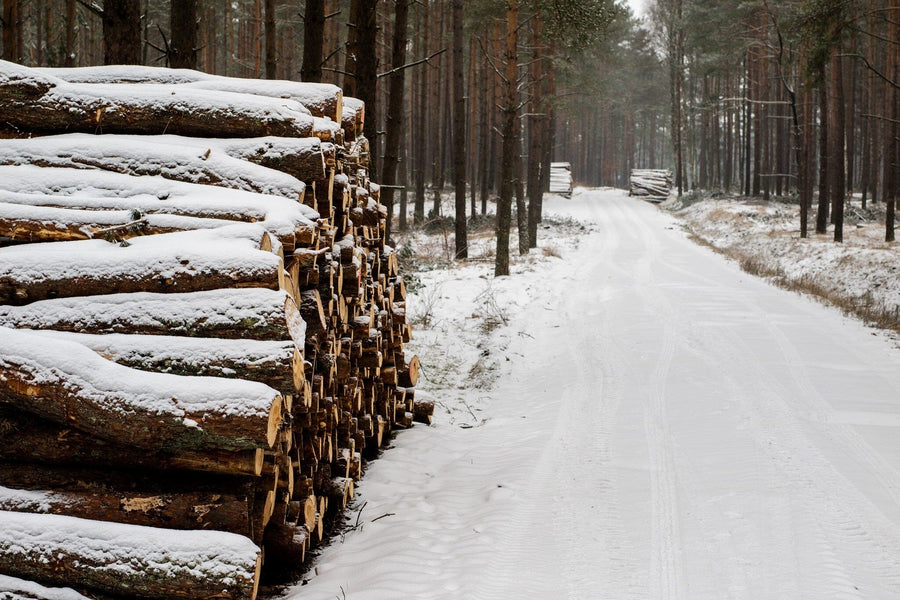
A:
(650, 184)
(561, 178)
(202, 334)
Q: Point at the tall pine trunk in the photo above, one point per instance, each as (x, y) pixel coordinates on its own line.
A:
(510, 148)
(395, 109)
(271, 38)
(313, 40)
(122, 32)
(459, 131)
(12, 30)
(183, 27)
(836, 139)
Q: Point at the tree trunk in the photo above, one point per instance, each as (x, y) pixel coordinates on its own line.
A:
(122, 32)
(459, 131)
(313, 41)
(837, 185)
(271, 38)
(396, 98)
(510, 149)
(824, 147)
(70, 33)
(12, 30)
(116, 558)
(536, 132)
(183, 27)
(421, 113)
(366, 74)
(891, 178)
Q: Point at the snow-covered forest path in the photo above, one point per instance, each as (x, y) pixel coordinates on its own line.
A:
(663, 426)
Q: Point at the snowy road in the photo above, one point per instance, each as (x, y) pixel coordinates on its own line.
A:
(664, 426)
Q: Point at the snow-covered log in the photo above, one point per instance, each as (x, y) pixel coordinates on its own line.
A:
(129, 560)
(148, 109)
(234, 256)
(30, 439)
(293, 223)
(13, 588)
(192, 160)
(70, 384)
(320, 99)
(651, 184)
(561, 178)
(252, 313)
(184, 510)
(353, 119)
(278, 364)
(27, 223)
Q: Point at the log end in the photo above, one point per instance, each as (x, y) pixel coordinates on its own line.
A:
(275, 417)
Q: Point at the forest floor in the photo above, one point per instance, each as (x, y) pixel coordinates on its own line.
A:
(629, 415)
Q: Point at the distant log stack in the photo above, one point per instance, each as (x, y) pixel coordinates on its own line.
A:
(215, 329)
(561, 178)
(650, 184)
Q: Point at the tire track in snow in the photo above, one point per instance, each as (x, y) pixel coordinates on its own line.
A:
(852, 534)
(666, 570)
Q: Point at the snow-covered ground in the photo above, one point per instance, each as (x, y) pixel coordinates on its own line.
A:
(631, 416)
(858, 275)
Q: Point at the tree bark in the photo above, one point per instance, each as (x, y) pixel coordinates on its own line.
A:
(182, 511)
(824, 125)
(121, 32)
(30, 439)
(183, 27)
(129, 560)
(459, 131)
(12, 30)
(313, 40)
(70, 33)
(271, 38)
(367, 76)
(836, 167)
(510, 148)
(536, 132)
(396, 99)
(891, 180)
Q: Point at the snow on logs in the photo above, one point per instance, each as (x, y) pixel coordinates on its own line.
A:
(319, 99)
(68, 383)
(234, 256)
(128, 560)
(651, 184)
(216, 325)
(211, 162)
(38, 103)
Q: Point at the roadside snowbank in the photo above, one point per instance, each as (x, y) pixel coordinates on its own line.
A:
(858, 276)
